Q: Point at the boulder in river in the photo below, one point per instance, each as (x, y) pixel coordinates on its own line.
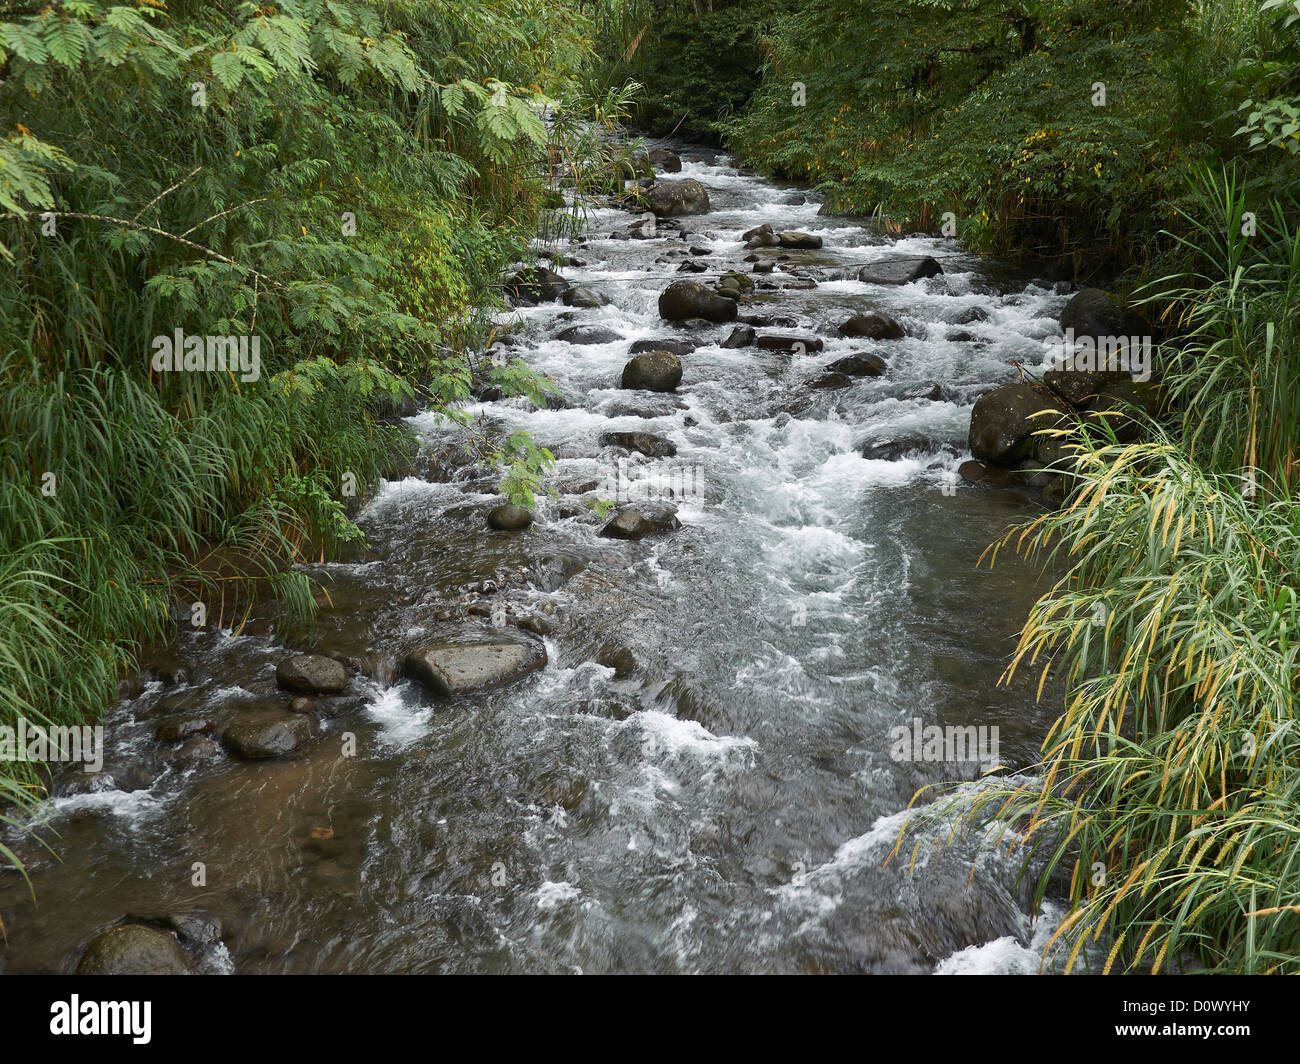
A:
(680, 348)
(800, 241)
(872, 325)
(831, 381)
(1004, 420)
(463, 667)
(667, 161)
(790, 343)
(646, 443)
(1092, 313)
(536, 285)
(260, 738)
(892, 448)
(588, 334)
(634, 522)
(584, 298)
(509, 518)
(311, 674)
(177, 731)
(670, 198)
(859, 366)
(690, 299)
(741, 336)
(134, 949)
(930, 391)
(1078, 387)
(618, 657)
(900, 270)
(653, 371)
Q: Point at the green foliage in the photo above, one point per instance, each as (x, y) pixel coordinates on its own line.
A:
(344, 180)
(699, 64)
(992, 111)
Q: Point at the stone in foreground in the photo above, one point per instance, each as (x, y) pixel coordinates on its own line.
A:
(462, 668)
(133, 950)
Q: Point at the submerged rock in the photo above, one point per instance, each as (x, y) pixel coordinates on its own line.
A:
(509, 518)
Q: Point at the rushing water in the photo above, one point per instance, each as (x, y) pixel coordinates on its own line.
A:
(726, 806)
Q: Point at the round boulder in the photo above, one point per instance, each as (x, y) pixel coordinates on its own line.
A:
(653, 371)
(669, 198)
(134, 949)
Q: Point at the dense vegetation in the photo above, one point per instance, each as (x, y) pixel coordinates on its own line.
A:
(343, 180)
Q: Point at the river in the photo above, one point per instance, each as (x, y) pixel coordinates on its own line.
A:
(723, 803)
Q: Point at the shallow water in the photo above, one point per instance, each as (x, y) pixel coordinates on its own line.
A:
(729, 806)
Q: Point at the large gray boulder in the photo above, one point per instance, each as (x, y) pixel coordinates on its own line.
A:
(643, 519)
(671, 198)
(799, 241)
(900, 270)
(690, 299)
(646, 443)
(459, 668)
(1003, 421)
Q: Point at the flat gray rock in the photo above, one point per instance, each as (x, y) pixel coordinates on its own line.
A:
(452, 669)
